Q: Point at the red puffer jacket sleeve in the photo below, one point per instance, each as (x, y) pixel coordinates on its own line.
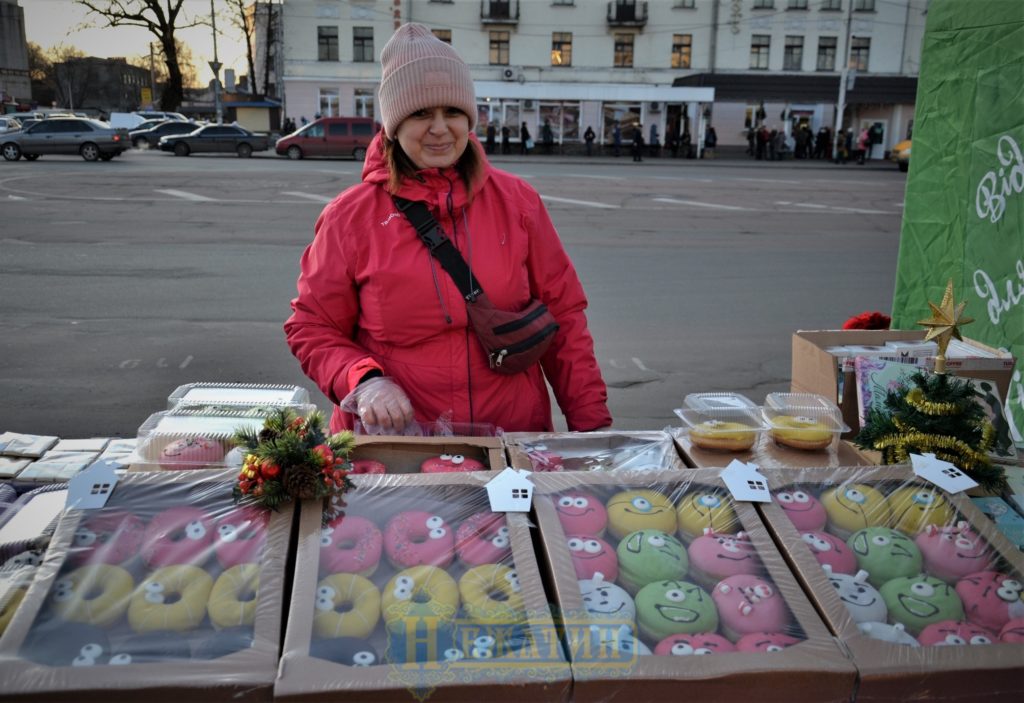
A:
(321, 329)
(569, 363)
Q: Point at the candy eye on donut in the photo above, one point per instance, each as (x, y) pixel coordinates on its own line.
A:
(682, 649)
(575, 544)
(502, 531)
(922, 589)
(641, 504)
(513, 578)
(785, 497)
(1009, 590)
(592, 546)
(227, 533)
(324, 603)
(675, 595)
(83, 660)
(363, 659)
(435, 521)
(566, 502)
(84, 537)
(880, 540)
(195, 530)
(154, 597)
(581, 502)
(500, 541)
(446, 457)
(92, 650)
(438, 533)
(656, 541)
(458, 458)
(980, 639)
(954, 640)
(63, 590)
(120, 659)
(154, 587)
(325, 592)
(924, 498)
(325, 536)
(773, 648)
(856, 496)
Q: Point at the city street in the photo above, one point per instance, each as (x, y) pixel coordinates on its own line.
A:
(123, 280)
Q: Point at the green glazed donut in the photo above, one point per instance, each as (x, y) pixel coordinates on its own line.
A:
(666, 608)
(646, 556)
(919, 601)
(885, 554)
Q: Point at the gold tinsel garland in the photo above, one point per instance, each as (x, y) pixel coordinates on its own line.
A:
(895, 446)
(915, 398)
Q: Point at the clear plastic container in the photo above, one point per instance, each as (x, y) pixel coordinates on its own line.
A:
(250, 394)
(721, 421)
(168, 441)
(806, 421)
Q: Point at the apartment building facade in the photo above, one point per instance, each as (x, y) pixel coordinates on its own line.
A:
(672, 65)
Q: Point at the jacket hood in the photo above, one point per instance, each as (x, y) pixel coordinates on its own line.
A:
(434, 180)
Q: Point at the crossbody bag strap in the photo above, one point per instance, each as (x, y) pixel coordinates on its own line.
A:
(440, 246)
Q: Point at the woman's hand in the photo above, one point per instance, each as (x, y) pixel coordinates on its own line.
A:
(381, 404)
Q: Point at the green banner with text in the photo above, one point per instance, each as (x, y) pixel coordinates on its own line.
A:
(964, 213)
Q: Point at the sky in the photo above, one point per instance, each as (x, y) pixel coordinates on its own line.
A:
(52, 22)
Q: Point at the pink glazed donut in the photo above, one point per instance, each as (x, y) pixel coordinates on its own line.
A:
(581, 514)
(831, 550)
(991, 599)
(804, 510)
(591, 555)
(765, 642)
(950, 553)
(191, 453)
(1013, 632)
(483, 539)
(368, 466)
(696, 645)
(417, 538)
(715, 556)
(350, 545)
(952, 633)
(178, 536)
(109, 538)
(241, 535)
(449, 463)
(749, 604)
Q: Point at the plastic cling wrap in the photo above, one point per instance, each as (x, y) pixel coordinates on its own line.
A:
(665, 585)
(592, 451)
(920, 587)
(170, 588)
(417, 588)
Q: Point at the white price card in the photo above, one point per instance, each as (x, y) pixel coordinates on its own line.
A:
(91, 488)
(511, 491)
(942, 473)
(746, 483)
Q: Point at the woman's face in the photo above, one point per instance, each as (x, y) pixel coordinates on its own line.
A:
(434, 137)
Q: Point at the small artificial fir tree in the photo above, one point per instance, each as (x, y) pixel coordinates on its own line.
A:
(937, 414)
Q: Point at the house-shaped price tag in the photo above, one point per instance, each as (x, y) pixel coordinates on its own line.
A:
(91, 488)
(511, 491)
(746, 483)
(943, 474)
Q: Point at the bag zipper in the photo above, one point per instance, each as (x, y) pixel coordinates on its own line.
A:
(521, 322)
(497, 357)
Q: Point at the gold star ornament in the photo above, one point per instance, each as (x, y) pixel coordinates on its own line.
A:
(944, 324)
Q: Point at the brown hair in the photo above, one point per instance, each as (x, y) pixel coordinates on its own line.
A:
(470, 165)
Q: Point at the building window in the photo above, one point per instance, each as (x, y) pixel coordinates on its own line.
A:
(863, 5)
(327, 43)
(329, 102)
(764, 4)
(793, 56)
(827, 53)
(688, 4)
(444, 35)
(860, 52)
(759, 47)
(623, 51)
(682, 50)
(561, 48)
(364, 102)
(797, 5)
(831, 4)
(499, 48)
(362, 44)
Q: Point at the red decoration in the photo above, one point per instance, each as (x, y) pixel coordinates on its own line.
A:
(868, 321)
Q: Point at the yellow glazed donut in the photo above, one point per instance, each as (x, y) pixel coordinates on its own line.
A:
(233, 598)
(915, 507)
(420, 591)
(854, 506)
(479, 587)
(643, 509)
(188, 589)
(800, 432)
(357, 595)
(7, 609)
(706, 508)
(97, 594)
(723, 436)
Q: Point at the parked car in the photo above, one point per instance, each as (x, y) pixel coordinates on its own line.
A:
(901, 154)
(9, 124)
(91, 139)
(330, 136)
(216, 138)
(149, 138)
(158, 115)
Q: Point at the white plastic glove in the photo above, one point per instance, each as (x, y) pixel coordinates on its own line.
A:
(381, 404)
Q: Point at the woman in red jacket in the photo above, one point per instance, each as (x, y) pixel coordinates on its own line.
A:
(381, 328)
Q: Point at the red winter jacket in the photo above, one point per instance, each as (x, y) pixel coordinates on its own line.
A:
(371, 296)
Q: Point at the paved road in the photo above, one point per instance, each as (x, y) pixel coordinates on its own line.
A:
(123, 280)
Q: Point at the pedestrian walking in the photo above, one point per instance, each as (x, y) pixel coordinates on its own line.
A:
(547, 137)
(506, 141)
(491, 134)
(616, 139)
(863, 144)
(638, 144)
(654, 144)
(525, 140)
(375, 324)
(710, 142)
(588, 138)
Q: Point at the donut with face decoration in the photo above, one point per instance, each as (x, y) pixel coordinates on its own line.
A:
(111, 537)
(642, 509)
(650, 555)
(241, 535)
(693, 645)
(920, 601)
(483, 538)
(885, 554)
(950, 633)
(715, 556)
(607, 602)
(915, 507)
(804, 510)
(765, 642)
(749, 604)
(451, 463)
(350, 544)
(991, 598)
(591, 555)
(863, 601)
(829, 549)
(854, 506)
(666, 608)
(181, 535)
(418, 538)
(1013, 632)
(581, 514)
(706, 509)
(952, 552)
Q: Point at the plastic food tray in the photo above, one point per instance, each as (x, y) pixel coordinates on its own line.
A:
(235, 393)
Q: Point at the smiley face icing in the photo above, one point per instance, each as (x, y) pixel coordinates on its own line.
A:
(706, 509)
(955, 634)
(749, 604)
(629, 511)
(591, 555)
(650, 555)
(694, 645)
(863, 601)
(804, 510)
(853, 507)
(915, 507)
(920, 601)
(674, 607)
(581, 514)
(605, 602)
(885, 554)
(950, 553)
(831, 550)
(991, 599)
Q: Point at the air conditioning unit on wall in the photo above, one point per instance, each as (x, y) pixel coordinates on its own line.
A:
(527, 104)
(655, 107)
(509, 74)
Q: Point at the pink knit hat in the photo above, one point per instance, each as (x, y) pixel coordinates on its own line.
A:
(419, 71)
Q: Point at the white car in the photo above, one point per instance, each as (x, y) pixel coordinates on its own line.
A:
(9, 124)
